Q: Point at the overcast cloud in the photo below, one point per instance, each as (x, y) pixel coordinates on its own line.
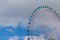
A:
(14, 10)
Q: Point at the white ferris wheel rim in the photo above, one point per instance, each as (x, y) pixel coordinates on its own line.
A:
(39, 9)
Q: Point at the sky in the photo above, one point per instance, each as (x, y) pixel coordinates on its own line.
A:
(14, 11)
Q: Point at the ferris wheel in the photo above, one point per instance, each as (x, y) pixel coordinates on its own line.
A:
(41, 22)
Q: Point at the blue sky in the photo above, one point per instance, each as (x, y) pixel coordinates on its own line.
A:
(9, 31)
(20, 32)
(14, 11)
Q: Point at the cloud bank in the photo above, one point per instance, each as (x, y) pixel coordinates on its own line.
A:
(16, 9)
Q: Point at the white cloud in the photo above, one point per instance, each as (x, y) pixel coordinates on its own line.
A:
(7, 21)
(14, 38)
(35, 37)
